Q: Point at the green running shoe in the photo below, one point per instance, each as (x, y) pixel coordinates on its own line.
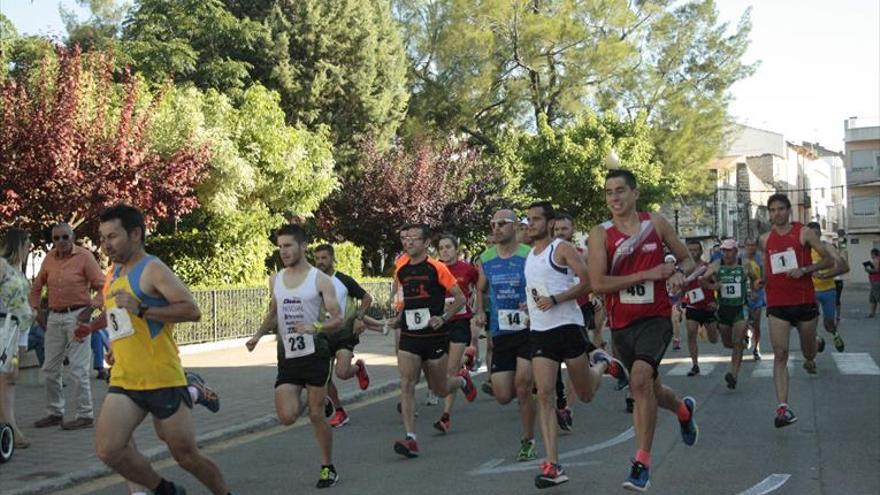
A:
(838, 341)
(527, 451)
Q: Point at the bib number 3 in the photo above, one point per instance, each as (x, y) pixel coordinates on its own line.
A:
(297, 345)
(417, 319)
(119, 324)
(638, 294)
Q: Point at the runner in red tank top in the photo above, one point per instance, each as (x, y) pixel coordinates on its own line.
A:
(700, 306)
(791, 300)
(626, 265)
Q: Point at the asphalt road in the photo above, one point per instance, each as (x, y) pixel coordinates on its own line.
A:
(834, 448)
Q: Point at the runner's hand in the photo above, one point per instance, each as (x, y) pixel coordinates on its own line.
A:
(544, 303)
(82, 331)
(125, 300)
(480, 320)
(675, 281)
(662, 271)
(436, 322)
(251, 344)
(359, 327)
(796, 273)
(304, 328)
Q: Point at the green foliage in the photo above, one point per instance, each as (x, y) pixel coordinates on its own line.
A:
(348, 257)
(100, 31)
(568, 166)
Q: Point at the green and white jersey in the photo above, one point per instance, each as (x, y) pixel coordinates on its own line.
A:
(732, 285)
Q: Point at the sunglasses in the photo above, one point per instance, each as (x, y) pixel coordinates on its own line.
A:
(60, 237)
(500, 223)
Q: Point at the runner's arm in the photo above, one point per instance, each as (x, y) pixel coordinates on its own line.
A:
(686, 264)
(331, 305)
(480, 316)
(270, 320)
(841, 266)
(600, 281)
(159, 280)
(573, 259)
(809, 238)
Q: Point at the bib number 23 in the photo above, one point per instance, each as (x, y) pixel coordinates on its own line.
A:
(299, 345)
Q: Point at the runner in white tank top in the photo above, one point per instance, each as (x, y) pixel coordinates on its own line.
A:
(557, 332)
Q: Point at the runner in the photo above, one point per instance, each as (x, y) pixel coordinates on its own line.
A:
(501, 270)
(732, 284)
(424, 335)
(757, 297)
(459, 325)
(298, 291)
(143, 299)
(626, 256)
(343, 342)
(557, 331)
(563, 228)
(700, 306)
(677, 309)
(826, 290)
(791, 299)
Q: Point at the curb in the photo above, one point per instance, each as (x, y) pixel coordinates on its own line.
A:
(160, 453)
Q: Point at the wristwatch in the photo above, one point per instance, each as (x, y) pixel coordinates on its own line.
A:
(142, 308)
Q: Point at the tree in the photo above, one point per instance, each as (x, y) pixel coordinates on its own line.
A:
(445, 185)
(567, 166)
(73, 142)
(98, 32)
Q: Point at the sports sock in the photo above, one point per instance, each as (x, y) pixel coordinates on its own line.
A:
(410, 436)
(193, 393)
(683, 413)
(644, 458)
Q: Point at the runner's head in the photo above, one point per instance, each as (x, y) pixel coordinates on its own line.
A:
(728, 251)
(122, 231)
(815, 227)
(292, 241)
(325, 258)
(522, 232)
(447, 248)
(563, 227)
(63, 237)
(416, 239)
(504, 226)
(779, 208)
(541, 216)
(15, 247)
(696, 249)
(621, 191)
(751, 247)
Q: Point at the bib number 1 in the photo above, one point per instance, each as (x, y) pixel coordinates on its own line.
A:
(642, 293)
(695, 295)
(782, 262)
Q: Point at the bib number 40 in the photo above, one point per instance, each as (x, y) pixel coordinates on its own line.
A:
(638, 294)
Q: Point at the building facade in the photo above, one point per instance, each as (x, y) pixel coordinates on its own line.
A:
(862, 144)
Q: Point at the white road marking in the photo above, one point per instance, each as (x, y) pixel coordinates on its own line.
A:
(855, 363)
(682, 369)
(769, 484)
(764, 369)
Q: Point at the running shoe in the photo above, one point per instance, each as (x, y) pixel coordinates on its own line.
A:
(689, 430)
(469, 390)
(340, 418)
(564, 419)
(694, 371)
(639, 479)
(630, 404)
(431, 399)
(756, 354)
(784, 417)
(676, 344)
(329, 408)
(731, 380)
(748, 339)
(487, 389)
(552, 474)
(527, 451)
(615, 368)
(442, 425)
(207, 396)
(407, 448)
(820, 345)
(361, 374)
(470, 358)
(810, 367)
(477, 363)
(838, 341)
(328, 477)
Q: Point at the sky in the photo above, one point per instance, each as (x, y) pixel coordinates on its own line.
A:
(819, 61)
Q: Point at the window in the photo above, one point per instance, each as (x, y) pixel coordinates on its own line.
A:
(864, 160)
(865, 207)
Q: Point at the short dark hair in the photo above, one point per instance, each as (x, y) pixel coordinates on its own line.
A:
(450, 237)
(815, 226)
(326, 247)
(565, 216)
(129, 216)
(626, 175)
(546, 209)
(781, 198)
(426, 231)
(295, 231)
(875, 252)
(698, 243)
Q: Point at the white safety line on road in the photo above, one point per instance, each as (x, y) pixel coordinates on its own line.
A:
(682, 369)
(494, 466)
(769, 484)
(764, 369)
(855, 363)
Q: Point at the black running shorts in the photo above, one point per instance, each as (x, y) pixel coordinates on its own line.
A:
(799, 313)
(644, 340)
(162, 403)
(343, 339)
(312, 371)
(507, 348)
(459, 331)
(559, 344)
(428, 348)
(700, 316)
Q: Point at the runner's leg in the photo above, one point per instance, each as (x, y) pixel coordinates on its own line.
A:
(178, 432)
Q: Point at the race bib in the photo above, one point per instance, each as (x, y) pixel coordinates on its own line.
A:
(417, 319)
(119, 324)
(534, 290)
(642, 293)
(731, 291)
(462, 311)
(783, 262)
(695, 295)
(511, 320)
(297, 345)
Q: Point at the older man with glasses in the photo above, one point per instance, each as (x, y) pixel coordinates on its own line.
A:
(72, 277)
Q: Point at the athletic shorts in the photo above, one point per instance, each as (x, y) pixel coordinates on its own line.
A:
(312, 371)
(827, 300)
(558, 344)
(700, 316)
(162, 403)
(838, 285)
(760, 300)
(343, 339)
(644, 340)
(728, 315)
(427, 348)
(798, 313)
(874, 298)
(459, 331)
(506, 348)
(589, 315)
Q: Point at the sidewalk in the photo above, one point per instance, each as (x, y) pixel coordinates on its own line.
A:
(245, 381)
